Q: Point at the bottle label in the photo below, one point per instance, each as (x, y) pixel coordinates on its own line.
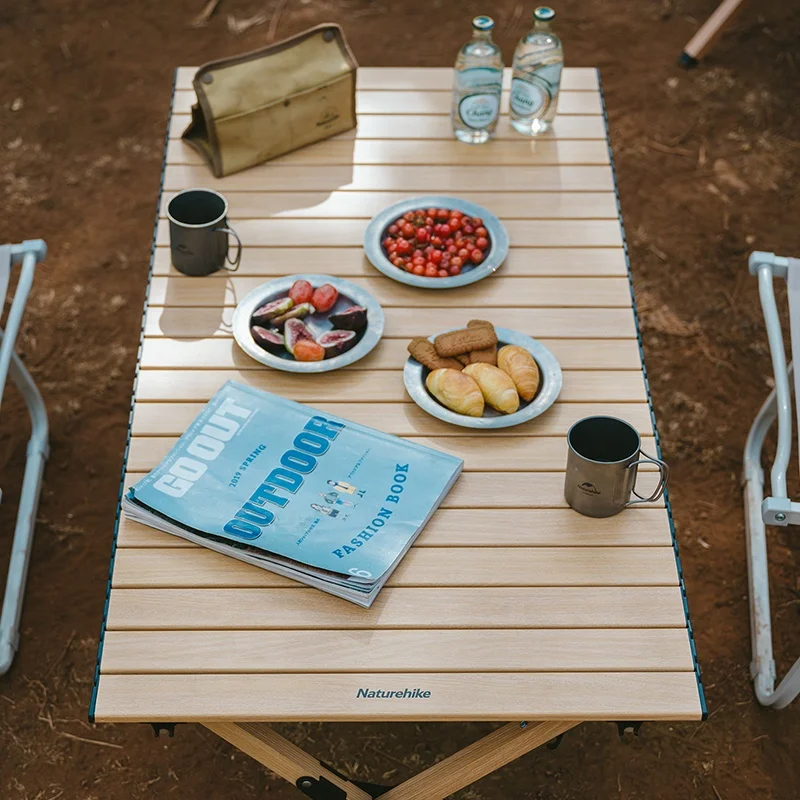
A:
(479, 111)
(530, 96)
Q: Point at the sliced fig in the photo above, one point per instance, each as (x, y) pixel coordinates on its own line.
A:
(351, 319)
(271, 310)
(295, 331)
(298, 312)
(271, 341)
(308, 350)
(337, 342)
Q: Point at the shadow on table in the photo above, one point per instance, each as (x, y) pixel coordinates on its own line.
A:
(194, 308)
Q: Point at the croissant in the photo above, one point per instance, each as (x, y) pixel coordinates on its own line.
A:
(497, 388)
(519, 364)
(456, 391)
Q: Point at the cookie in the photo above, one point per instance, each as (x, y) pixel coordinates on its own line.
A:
(489, 354)
(426, 354)
(455, 343)
(463, 358)
(486, 356)
(476, 323)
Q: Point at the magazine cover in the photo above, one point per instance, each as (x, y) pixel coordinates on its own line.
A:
(317, 498)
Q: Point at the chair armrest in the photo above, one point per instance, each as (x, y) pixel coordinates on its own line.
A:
(777, 508)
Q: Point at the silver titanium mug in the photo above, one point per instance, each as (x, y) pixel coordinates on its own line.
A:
(199, 231)
(603, 459)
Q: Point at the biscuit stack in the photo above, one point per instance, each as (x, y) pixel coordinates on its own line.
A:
(468, 371)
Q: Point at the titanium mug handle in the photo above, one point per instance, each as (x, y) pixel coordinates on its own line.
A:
(235, 262)
(663, 469)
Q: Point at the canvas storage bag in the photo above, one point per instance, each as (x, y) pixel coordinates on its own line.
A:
(259, 105)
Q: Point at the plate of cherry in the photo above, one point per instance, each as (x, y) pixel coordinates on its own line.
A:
(436, 242)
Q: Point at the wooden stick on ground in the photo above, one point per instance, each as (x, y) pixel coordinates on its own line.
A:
(710, 31)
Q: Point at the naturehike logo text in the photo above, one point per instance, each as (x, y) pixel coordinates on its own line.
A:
(399, 694)
(588, 488)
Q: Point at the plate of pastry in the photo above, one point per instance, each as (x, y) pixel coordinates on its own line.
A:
(481, 376)
(436, 242)
(308, 323)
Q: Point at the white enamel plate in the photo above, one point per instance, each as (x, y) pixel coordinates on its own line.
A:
(349, 295)
(414, 375)
(494, 257)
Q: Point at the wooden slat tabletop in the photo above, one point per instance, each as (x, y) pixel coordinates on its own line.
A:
(510, 605)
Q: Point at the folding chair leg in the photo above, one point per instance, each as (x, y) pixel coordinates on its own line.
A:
(26, 515)
(762, 668)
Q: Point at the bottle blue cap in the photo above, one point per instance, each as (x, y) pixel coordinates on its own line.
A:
(483, 23)
(544, 13)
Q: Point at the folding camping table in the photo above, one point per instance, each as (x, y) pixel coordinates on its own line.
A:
(510, 606)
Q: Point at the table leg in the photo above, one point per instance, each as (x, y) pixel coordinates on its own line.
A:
(435, 783)
(477, 760)
(281, 756)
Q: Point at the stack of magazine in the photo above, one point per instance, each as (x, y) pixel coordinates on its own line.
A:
(307, 495)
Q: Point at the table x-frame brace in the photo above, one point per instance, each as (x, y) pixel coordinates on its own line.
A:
(320, 782)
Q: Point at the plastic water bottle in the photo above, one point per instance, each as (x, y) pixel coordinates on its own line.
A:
(538, 61)
(477, 84)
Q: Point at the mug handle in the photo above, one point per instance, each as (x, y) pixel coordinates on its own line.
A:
(663, 469)
(235, 262)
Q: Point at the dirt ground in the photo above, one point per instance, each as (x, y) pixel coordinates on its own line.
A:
(707, 164)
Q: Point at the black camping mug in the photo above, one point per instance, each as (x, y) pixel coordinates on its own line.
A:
(603, 457)
(199, 231)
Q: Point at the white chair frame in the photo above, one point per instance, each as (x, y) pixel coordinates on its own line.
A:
(776, 509)
(28, 254)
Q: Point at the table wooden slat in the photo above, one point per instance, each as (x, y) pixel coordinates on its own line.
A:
(507, 453)
(426, 78)
(511, 527)
(505, 490)
(585, 650)
(224, 353)
(299, 608)
(411, 179)
(413, 103)
(350, 233)
(364, 205)
(434, 566)
(598, 324)
(431, 127)
(350, 262)
(454, 696)
(334, 152)
(221, 290)
(359, 386)
(405, 419)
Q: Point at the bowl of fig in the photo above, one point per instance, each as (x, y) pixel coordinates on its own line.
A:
(308, 323)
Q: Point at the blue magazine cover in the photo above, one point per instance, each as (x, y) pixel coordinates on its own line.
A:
(312, 496)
